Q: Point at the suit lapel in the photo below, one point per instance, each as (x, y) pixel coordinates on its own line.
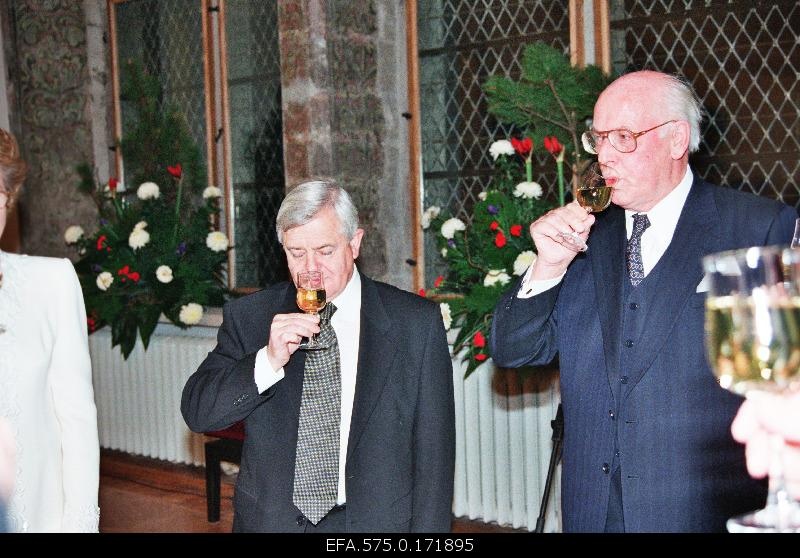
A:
(607, 255)
(679, 272)
(376, 349)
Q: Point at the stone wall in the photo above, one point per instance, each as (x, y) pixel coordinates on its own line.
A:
(342, 116)
(51, 117)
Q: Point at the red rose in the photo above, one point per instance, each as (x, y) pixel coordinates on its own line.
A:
(494, 226)
(175, 170)
(515, 230)
(552, 145)
(480, 357)
(500, 239)
(439, 281)
(522, 147)
(478, 340)
(422, 293)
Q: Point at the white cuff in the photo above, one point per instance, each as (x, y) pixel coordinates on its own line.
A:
(263, 373)
(531, 287)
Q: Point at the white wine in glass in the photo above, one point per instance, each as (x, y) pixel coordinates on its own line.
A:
(753, 345)
(594, 195)
(311, 299)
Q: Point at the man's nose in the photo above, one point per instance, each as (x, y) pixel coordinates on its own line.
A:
(605, 151)
(311, 262)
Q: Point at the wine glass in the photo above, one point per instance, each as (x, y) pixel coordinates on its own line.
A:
(594, 195)
(796, 237)
(753, 345)
(311, 299)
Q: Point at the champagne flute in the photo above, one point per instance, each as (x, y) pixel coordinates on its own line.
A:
(594, 195)
(796, 237)
(753, 345)
(311, 299)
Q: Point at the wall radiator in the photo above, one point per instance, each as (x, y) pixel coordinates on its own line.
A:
(503, 433)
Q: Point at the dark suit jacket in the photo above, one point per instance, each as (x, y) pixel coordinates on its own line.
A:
(401, 446)
(681, 470)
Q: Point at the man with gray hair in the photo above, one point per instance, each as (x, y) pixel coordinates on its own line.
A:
(647, 443)
(357, 436)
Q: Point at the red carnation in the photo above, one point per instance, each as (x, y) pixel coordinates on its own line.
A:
(112, 184)
(175, 170)
(500, 239)
(552, 145)
(494, 226)
(478, 340)
(422, 293)
(523, 146)
(480, 357)
(101, 241)
(439, 281)
(515, 230)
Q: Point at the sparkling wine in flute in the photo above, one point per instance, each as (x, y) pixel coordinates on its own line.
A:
(594, 195)
(311, 301)
(753, 347)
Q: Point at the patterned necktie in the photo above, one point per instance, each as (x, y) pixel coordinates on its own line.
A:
(316, 466)
(633, 252)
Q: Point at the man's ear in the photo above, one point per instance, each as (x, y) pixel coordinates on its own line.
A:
(679, 140)
(355, 242)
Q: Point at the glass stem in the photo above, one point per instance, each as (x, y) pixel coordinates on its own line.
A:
(779, 502)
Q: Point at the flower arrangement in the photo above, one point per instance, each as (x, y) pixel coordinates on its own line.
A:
(553, 102)
(486, 254)
(155, 250)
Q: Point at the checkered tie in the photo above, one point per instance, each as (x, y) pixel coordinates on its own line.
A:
(633, 252)
(316, 465)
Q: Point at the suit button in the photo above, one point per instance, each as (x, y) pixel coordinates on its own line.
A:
(634, 306)
(623, 380)
(301, 520)
(629, 343)
(611, 414)
(606, 468)
(616, 453)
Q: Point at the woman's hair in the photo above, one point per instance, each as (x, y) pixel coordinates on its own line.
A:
(305, 200)
(12, 167)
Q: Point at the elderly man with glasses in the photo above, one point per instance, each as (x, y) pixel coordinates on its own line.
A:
(647, 443)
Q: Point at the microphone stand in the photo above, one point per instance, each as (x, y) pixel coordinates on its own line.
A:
(555, 456)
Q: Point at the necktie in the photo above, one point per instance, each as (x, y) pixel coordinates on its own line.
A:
(633, 252)
(316, 466)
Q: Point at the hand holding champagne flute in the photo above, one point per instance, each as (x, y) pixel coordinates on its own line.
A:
(310, 299)
(594, 195)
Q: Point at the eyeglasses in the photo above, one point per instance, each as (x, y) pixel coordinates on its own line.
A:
(621, 139)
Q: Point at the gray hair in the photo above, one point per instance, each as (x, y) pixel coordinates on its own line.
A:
(306, 200)
(682, 103)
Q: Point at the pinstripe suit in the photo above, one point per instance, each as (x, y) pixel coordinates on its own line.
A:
(634, 377)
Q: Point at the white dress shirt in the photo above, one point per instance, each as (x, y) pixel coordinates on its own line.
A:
(655, 239)
(346, 323)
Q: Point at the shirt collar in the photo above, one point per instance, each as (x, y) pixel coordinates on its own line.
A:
(348, 302)
(665, 214)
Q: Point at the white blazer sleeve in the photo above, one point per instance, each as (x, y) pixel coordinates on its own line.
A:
(71, 384)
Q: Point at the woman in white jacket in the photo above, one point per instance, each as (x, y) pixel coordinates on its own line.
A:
(46, 389)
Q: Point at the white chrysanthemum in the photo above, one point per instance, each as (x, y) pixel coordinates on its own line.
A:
(524, 261)
(528, 190)
(447, 317)
(500, 147)
(139, 237)
(104, 280)
(429, 215)
(482, 196)
(148, 190)
(191, 313)
(450, 227)
(164, 273)
(496, 276)
(217, 241)
(444, 252)
(73, 234)
(212, 192)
